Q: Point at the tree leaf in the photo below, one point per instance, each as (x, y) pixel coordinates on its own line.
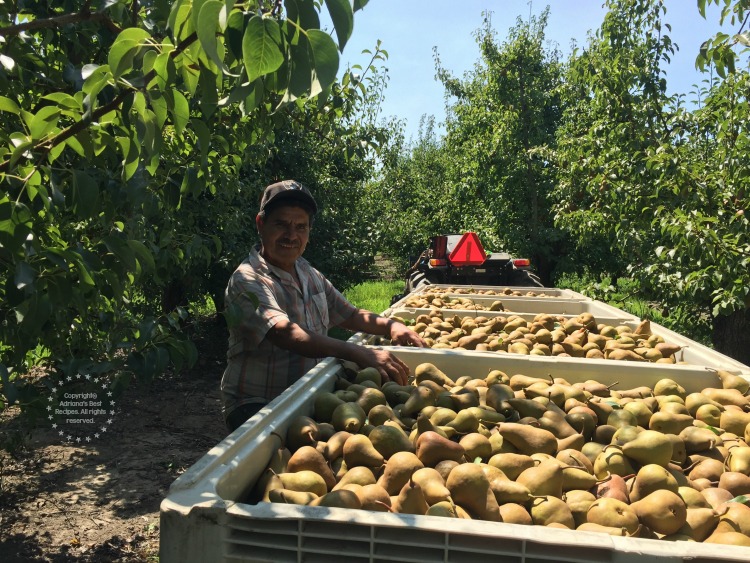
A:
(85, 194)
(261, 51)
(343, 20)
(125, 48)
(6, 104)
(359, 4)
(325, 60)
(44, 121)
(180, 111)
(206, 30)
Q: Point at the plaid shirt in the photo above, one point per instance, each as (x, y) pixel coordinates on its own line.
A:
(255, 367)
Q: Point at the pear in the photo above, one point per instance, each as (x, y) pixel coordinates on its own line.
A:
(692, 497)
(612, 460)
(591, 450)
(710, 469)
(575, 458)
(512, 464)
(579, 502)
(324, 405)
(614, 486)
(738, 460)
(420, 397)
(432, 448)
(545, 479)
(716, 496)
(613, 513)
(591, 527)
(304, 481)
(547, 510)
(302, 431)
(359, 475)
(464, 422)
(652, 477)
(514, 513)
(349, 417)
(732, 381)
(735, 517)
(729, 538)
(288, 496)
(621, 417)
(442, 416)
(341, 498)
(668, 386)
(476, 446)
(625, 434)
(575, 478)
(428, 371)
(308, 458)
(669, 423)
(528, 439)
(399, 469)
(444, 508)
(700, 523)
(734, 421)
(662, 511)
(649, 446)
(679, 452)
(369, 374)
(358, 450)
(373, 497)
(699, 439)
(433, 485)
(335, 445)
(641, 411)
(469, 487)
(388, 440)
(727, 397)
(709, 414)
(735, 482)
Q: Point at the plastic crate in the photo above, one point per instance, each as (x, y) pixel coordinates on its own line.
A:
(205, 516)
(545, 292)
(552, 306)
(692, 352)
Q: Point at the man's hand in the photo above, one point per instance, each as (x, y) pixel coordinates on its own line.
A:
(404, 336)
(391, 367)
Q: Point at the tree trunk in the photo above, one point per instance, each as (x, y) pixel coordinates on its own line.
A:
(731, 335)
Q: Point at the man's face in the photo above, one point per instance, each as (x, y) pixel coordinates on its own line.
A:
(284, 234)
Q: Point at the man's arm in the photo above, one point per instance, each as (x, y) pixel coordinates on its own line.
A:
(290, 336)
(367, 321)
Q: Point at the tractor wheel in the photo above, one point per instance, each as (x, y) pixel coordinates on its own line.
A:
(416, 280)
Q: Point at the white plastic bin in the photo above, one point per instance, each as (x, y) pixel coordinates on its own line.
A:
(204, 517)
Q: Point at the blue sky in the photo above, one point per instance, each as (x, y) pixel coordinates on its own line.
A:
(409, 29)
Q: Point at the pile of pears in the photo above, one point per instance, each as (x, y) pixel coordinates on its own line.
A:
(648, 462)
(546, 335)
(443, 298)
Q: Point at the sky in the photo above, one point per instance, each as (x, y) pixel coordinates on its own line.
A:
(409, 29)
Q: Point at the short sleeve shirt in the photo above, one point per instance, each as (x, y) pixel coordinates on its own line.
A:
(256, 368)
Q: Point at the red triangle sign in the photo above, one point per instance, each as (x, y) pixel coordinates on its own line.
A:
(468, 251)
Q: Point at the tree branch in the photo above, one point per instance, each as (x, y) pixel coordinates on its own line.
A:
(59, 21)
(46, 145)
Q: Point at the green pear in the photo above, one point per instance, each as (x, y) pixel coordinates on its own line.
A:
(349, 417)
(308, 458)
(358, 450)
(649, 446)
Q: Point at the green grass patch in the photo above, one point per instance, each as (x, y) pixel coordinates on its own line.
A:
(374, 296)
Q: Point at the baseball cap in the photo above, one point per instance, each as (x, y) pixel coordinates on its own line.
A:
(287, 191)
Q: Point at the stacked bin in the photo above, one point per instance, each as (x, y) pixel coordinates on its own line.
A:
(207, 515)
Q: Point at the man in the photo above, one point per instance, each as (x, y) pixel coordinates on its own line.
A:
(280, 309)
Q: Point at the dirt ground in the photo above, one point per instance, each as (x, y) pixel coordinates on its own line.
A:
(100, 502)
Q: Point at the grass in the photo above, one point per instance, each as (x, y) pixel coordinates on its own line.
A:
(374, 296)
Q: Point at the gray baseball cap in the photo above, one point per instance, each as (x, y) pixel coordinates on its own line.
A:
(287, 191)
